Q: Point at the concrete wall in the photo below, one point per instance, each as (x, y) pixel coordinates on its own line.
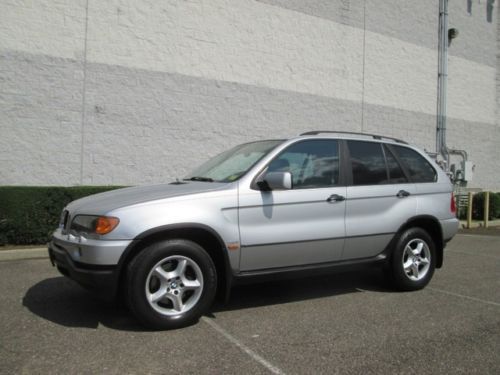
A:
(136, 92)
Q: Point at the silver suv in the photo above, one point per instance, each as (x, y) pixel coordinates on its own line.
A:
(315, 203)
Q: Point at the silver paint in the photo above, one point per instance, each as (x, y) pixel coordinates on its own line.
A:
(275, 228)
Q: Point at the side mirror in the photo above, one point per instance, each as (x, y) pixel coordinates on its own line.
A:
(276, 181)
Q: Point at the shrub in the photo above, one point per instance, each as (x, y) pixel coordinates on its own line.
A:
(478, 206)
(29, 214)
(462, 212)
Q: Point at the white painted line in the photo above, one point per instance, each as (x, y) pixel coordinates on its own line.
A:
(451, 294)
(473, 254)
(479, 235)
(464, 296)
(246, 349)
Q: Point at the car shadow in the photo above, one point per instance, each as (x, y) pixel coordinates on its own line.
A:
(301, 289)
(65, 303)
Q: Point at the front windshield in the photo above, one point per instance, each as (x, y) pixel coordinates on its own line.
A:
(234, 163)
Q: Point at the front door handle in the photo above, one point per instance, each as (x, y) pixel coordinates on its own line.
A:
(335, 198)
(402, 194)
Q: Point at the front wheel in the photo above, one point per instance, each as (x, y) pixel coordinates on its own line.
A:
(170, 284)
(414, 260)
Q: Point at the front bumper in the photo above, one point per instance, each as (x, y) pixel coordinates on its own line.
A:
(90, 251)
(103, 280)
(87, 264)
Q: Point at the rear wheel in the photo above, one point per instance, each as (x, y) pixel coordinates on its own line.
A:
(414, 260)
(170, 284)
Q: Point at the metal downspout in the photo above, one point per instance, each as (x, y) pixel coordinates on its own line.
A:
(442, 89)
(442, 80)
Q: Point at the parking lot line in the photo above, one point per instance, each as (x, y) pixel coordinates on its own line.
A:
(451, 294)
(464, 296)
(473, 254)
(478, 235)
(243, 347)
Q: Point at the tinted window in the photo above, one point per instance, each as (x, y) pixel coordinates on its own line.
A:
(368, 164)
(418, 168)
(313, 164)
(396, 174)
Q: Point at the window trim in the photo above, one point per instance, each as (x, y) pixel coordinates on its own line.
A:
(398, 161)
(387, 174)
(348, 164)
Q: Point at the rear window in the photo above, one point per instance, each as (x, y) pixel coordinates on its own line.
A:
(419, 169)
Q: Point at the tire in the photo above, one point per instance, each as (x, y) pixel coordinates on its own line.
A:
(413, 260)
(170, 284)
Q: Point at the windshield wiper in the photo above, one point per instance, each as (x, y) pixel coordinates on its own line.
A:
(198, 178)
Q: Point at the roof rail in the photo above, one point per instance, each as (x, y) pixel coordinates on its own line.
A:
(374, 136)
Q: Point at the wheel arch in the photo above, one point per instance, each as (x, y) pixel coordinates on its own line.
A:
(200, 234)
(432, 226)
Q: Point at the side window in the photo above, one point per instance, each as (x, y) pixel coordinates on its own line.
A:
(396, 174)
(420, 170)
(368, 163)
(313, 164)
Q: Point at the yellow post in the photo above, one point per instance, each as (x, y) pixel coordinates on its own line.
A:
(486, 208)
(469, 211)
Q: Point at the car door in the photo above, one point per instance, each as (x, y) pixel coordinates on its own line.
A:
(300, 226)
(380, 199)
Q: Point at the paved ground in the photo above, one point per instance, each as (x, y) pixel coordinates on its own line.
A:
(338, 324)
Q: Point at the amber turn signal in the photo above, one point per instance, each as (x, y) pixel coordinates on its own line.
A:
(106, 224)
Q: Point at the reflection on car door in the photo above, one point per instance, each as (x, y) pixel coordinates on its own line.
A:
(304, 225)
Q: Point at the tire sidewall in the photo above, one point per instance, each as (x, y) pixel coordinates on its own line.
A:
(399, 276)
(140, 268)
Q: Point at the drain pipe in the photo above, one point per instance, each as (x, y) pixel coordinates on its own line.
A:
(442, 81)
(445, 37)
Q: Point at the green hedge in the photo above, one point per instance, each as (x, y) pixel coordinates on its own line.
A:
(29, 214)
(478, 206)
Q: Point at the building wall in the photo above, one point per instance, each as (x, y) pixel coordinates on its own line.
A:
(136, 92)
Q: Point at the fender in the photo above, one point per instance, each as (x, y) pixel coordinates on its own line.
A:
(435, 231)
(134, 247)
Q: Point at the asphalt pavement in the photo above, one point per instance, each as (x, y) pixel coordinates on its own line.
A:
(345, 323)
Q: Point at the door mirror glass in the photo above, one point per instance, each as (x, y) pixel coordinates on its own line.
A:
(276, 181)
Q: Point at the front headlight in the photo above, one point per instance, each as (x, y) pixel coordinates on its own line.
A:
(89, 224)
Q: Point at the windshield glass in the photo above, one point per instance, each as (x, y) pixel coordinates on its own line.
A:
(234, 163)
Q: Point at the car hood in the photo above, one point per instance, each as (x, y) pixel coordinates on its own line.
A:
(102, 203)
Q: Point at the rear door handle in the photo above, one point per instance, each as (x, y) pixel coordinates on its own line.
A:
(335, 198)
(402, 194)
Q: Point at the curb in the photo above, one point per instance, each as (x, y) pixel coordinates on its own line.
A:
(479, 224)
(18, 254)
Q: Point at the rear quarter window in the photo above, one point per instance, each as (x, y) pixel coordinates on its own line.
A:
(418, 168)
